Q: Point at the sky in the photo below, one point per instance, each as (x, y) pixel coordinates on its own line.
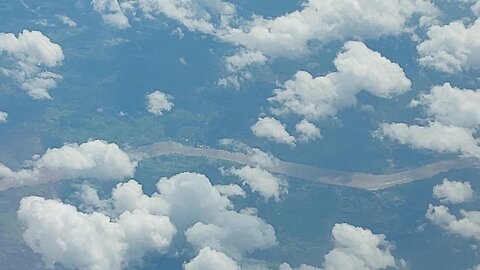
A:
(214, 134)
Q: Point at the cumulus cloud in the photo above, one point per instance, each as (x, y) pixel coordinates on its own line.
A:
(208, 220)
(259, 180)
(468, 226)
(358, 68)
(324, 21)
(453, 191)
(28, 53)
(273, 130)
(237, 66)
(230, 190)
(451, 48)
(208, 259)
(3, 117)
(62, 234)
(435, 136)
(94, 159)
(112, 13)
(159, 102)
(452, 105)
(355, 248)
(255, 156)
(307, 131)
(453, 119)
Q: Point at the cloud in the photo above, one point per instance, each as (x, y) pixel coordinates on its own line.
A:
(323, 21)
(207, 219)
(230, 190)
(129, 196)
(452, 106)
(468, 226)
(307, 131)
(451, 48)
(273, 130)
(3, 117)
(112, 13)
(434, 136)
(358, 68)
(66, 20)
(453, 119)
(158, 102)
(62, 234)
(254, 155)
(237, 67)
(94, 159)
(259, 180)
(355, 248)
(453, 192)
(28, 53)
(208, 259)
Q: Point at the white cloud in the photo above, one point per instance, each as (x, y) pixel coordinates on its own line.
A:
(90, 198)
(358, 248)
(66, 20)
(93, 159)
(307, 131)
(273, 130)
(238, 65)
(62, 234)
(159, 102)
(435, 137)
(468, 226)
(323, 21)
(452, 106)
(254, 155)
(355, 248)
(129, 196)
(3, 117)
(208, 259)
(453, 191)
(358, 68)
(259, 180)
(230, 190)
(451, 48)
(28, 53)
(198, 207)
(112, 13)
(453, 121)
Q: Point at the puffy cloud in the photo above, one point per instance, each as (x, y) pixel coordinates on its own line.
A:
(66, 20)
(358, 248)
(254, 155)
(468, 226)
(208, 259)
(358, 68)
(307, 130)
(207, 217)
(273, 130)
(93, 159)
(451, 105)
(158, 102)
(435, 137)
(112, 13)
(90, 198)
(129, 196)
(237, 67)
(62, 234)
(355, 248)
(230, 190)
(451, 48)
(3, 117)
(453, 191)
(452, 124)
(29, 52)
(259, 180)
(324, 21)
